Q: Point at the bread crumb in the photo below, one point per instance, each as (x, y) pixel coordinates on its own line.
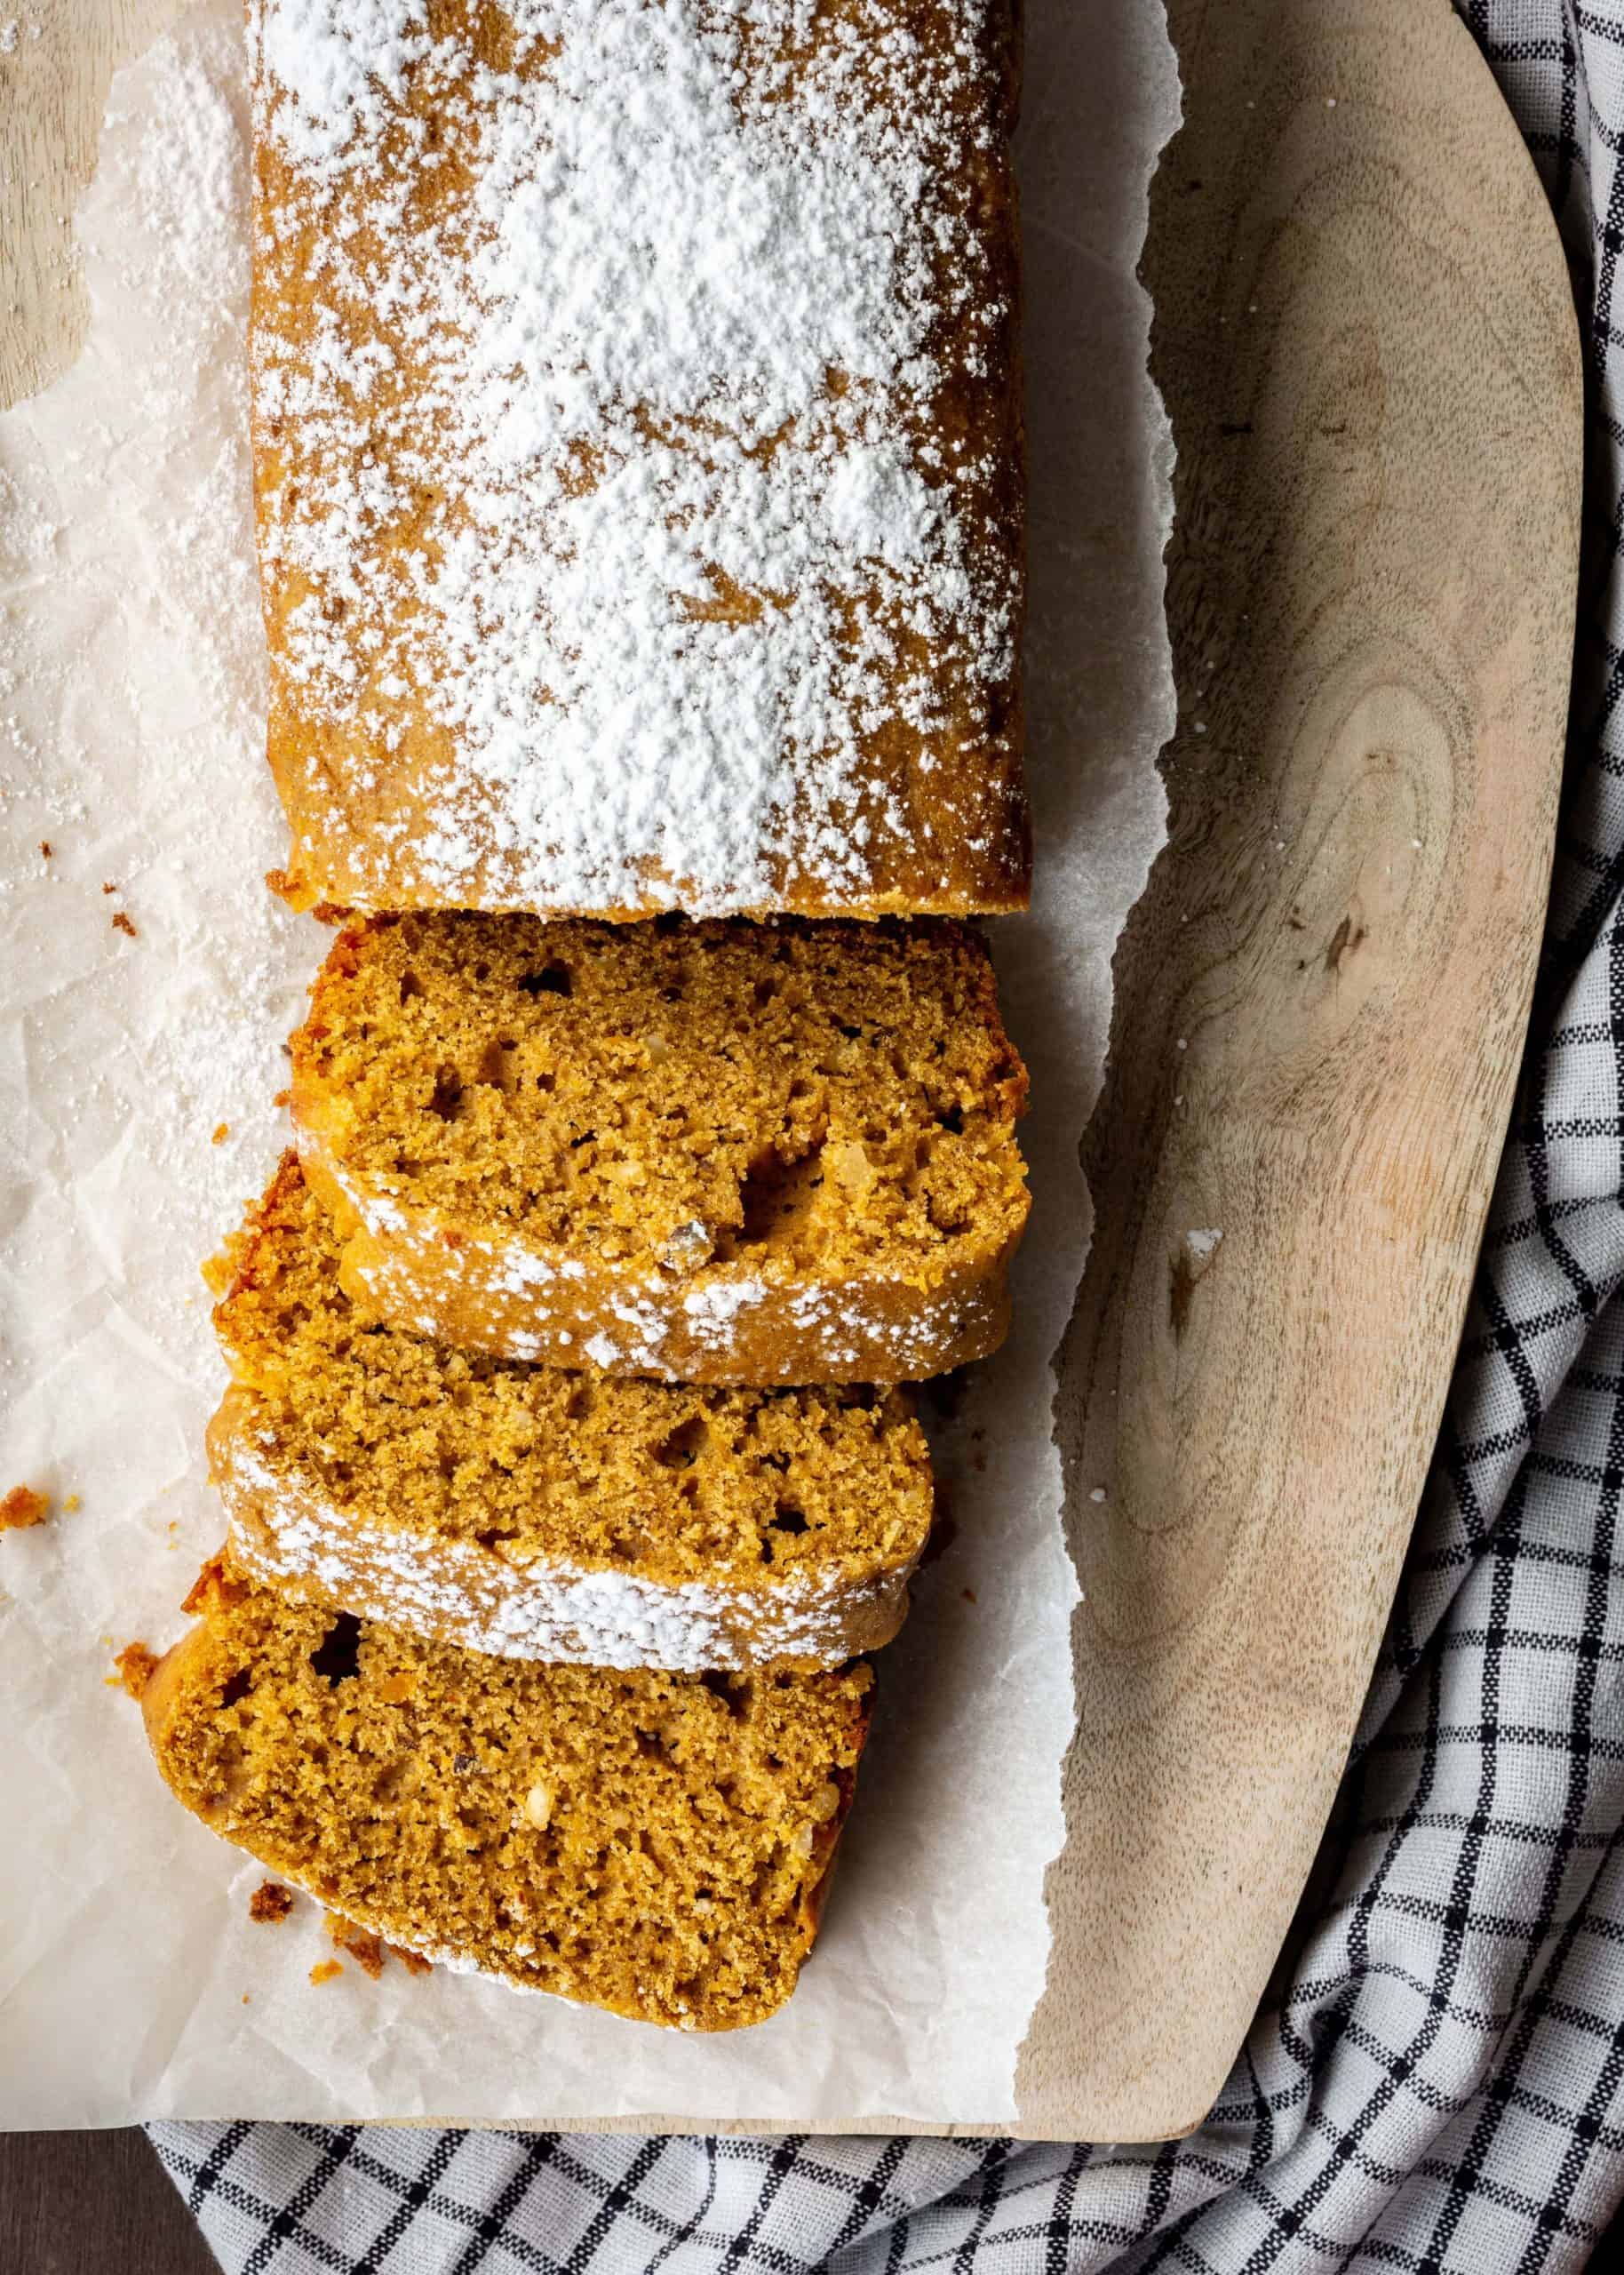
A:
(968, 1594)
(281, 1098)
(221, 1132)
(22, 1506)
(107, 888)
(270, 1903)
(72, 1503)
(135, 1664)
(413, 1962)
(45, 849)
(364, 1948)
(121, 923)
(324, 1970)
(212, 1589)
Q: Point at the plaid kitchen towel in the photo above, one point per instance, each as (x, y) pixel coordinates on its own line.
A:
(1441, 2086)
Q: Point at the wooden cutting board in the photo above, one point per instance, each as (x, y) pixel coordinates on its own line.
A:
(1365, 340)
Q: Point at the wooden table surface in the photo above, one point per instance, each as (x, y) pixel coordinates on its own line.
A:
(91, 2203)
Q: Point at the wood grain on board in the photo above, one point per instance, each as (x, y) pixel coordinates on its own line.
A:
(52, 93)
(1366, 343)
(1365, 340)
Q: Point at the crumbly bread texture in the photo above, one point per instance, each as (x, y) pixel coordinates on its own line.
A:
(716, 1152)
(521, 1510)
(656, 1844)
(638, 450)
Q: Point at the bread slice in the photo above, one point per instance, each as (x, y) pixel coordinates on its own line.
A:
(657, 1844)
(638, 454)
(520, 1510)
(715, 1153)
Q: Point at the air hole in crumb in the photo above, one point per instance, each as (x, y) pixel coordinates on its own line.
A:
(954, 1120)
(580, 1402)
(337, 1655)
(497, 1064)
(669, 920)
(553, 979)
(412, 987)
(787, 1520)
(773, 1189)
(764, 992)
(447, 1099)
(733, 1692)
(685, 1444)
(237, 1689)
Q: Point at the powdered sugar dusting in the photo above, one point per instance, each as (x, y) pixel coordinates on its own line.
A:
(616, 462)
(285, 1527)
(729, 1322)
(131, 689)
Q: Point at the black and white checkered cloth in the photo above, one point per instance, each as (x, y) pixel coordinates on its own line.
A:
(1440, 2090)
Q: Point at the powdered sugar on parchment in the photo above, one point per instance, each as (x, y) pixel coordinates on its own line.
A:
(132, 661)
(620, 464)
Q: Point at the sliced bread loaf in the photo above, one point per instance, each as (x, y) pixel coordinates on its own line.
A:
(720, 1152)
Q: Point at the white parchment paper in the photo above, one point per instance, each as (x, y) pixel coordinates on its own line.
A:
(136, 1079)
